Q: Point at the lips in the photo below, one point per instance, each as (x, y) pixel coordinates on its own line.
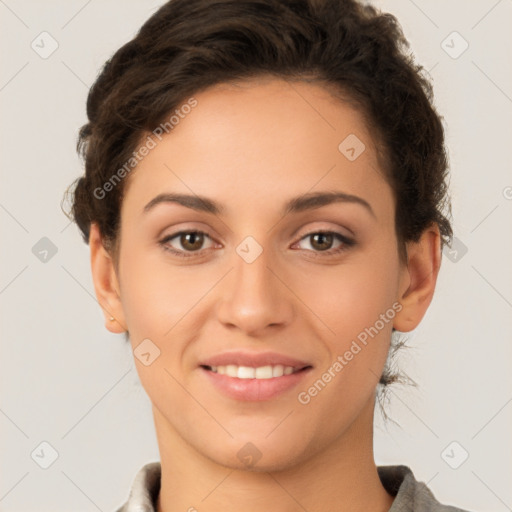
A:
(249, 384)
(253, 360)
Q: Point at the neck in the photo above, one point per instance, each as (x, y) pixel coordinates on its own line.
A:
(341, 478)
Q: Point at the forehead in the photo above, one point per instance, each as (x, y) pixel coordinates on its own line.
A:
(264, 139)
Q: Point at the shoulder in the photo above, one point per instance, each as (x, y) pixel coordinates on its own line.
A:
(410, 495)
(144, 490)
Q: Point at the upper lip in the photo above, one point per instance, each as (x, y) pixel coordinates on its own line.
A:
(254, 359)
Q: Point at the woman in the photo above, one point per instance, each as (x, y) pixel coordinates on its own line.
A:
(264, 202)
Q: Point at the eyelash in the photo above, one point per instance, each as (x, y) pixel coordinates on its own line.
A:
(347, 243)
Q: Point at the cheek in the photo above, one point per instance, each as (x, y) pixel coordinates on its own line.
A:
(357, 306)
(350, 297)
(355, 300)
(155, 295)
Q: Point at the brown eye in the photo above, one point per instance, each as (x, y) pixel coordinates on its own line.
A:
(191, 241)
(186, 243)
(321, 241)
(327, 242)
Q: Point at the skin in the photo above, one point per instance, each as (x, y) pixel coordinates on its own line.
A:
(252, 147)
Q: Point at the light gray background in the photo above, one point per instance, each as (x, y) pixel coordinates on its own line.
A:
(67, 381)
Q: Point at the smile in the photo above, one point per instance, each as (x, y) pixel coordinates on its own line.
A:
(248, 372)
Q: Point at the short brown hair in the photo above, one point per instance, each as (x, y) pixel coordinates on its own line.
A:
(189, 45)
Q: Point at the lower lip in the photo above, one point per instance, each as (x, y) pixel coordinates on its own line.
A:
(254, 390)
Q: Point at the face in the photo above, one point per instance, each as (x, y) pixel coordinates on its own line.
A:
(314, 286)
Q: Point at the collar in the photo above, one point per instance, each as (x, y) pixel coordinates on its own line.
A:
(399, 481)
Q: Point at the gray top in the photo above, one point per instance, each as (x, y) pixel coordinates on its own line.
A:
(410, 495)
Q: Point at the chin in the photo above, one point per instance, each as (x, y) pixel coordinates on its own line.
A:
(258, 454)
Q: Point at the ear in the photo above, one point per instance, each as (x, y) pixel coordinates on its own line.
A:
(106, 284)
(418, 279)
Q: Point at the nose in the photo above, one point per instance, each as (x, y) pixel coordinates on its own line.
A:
(254, 297)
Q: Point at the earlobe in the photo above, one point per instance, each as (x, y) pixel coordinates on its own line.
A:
(105, 282)
(419, 279)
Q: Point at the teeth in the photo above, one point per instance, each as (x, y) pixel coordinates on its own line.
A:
(247, 372)
(231, 370)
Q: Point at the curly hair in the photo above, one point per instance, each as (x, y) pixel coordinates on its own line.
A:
(189, 45)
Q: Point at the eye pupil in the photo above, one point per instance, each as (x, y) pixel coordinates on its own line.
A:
(189, 244)
(322, 238)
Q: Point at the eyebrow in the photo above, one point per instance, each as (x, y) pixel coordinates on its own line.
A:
(298, 204)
